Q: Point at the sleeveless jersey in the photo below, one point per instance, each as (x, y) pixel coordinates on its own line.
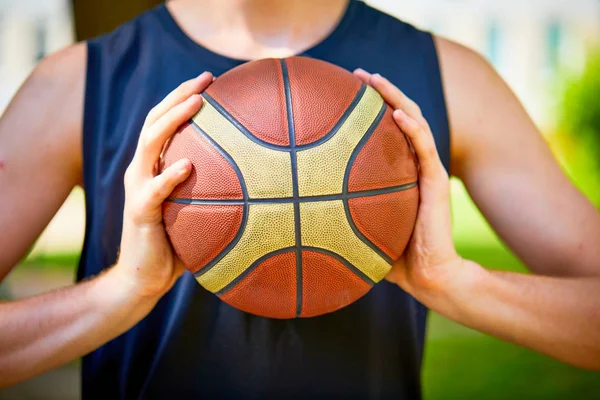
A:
(192, 345)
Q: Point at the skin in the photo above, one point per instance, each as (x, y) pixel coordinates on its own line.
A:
(504, 163)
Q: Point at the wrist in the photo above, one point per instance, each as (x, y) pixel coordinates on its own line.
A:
(114, 304)
(452, 287)
(119, 287)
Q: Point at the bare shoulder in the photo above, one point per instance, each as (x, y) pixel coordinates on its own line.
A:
(510, 172)
(70, 61)
(59, 74)
(466, 73)
(40, 149)
(54, 94)
(479, 102)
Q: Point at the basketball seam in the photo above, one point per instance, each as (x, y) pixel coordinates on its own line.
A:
(340, 122)
(295, 187)
(252, 267)
(346, 263)
(240, 127)
(246, 132)
(295, 199)
(284, 250)
(305, 199)
(246, 205)
(357, 150)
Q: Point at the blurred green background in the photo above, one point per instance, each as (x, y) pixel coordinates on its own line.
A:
(546, 50)
(464, 364)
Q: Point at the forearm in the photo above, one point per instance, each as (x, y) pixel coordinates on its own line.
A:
(556, 316)
(46, 331)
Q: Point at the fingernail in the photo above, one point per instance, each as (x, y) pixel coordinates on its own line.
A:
(360, 70)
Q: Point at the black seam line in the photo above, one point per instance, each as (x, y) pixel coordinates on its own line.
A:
(307, 199)
(295, 188)
(340, 122)
(245, 203)
(260, 260)
(245, 131)
(252, 267)
(357, 150)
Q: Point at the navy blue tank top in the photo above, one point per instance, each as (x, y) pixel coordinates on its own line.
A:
(192, 345)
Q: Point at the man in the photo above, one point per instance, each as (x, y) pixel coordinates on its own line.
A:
(78, 118)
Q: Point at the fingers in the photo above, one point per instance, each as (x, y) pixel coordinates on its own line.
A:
(362, 75)
(395, 98)
(423, 143)
(153, 138)
(163, 185)
(391, 94)
(164, 119)
(144, 191)
(410, 119)
(177, 96)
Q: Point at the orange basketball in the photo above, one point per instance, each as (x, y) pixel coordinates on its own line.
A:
(303, 192)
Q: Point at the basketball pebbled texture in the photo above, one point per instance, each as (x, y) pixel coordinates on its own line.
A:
(303, 190)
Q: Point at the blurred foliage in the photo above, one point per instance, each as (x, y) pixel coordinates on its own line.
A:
(461, 363)
(579, 128)
(62, 261)
(475, 366)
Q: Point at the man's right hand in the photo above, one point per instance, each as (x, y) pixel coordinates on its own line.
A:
(43, 332)
(147, 265)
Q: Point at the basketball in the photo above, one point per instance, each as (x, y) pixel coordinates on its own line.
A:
(303, 190)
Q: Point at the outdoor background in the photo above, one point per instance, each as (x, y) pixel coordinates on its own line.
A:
(549, 53)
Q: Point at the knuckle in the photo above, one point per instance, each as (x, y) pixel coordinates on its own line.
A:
(186, 87)
(147, 140)
(154, 192)
(417, 111)
(128, 177)
(152, 114)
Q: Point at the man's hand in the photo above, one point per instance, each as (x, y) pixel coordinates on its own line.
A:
(558, 316)
(46, 331)
(430, 254)
(146, 262)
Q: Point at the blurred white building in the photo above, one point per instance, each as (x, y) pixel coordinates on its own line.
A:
(29, 29)
(534, 44)
(530, 42)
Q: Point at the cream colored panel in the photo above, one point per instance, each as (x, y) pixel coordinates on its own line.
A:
(321, 169)
(267, 172)
(324, 225)
(270, 227)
